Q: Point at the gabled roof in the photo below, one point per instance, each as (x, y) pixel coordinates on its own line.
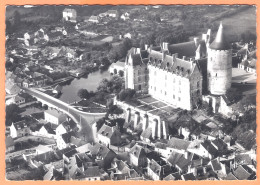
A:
(179, 160)
(177, 143)
(20, 125)
(67, 136)
(107, 131)
(49, 128)
(243, 159)
(242, 172)
(210, 148)
(220, 42)
(219, 143)
(100, 150)
(55, 113)
(161, 171)
(216, 165)
(173, 176)
(189, 176)
(69, 10)
(136, 150)
(230, 176)
(147, 133)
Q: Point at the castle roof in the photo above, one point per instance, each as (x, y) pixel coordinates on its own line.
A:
(171, 64)
(220, 42)
(187, 49)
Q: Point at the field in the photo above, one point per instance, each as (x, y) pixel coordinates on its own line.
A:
(241, 22)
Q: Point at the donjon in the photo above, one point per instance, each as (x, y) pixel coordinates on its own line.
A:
(219, 67)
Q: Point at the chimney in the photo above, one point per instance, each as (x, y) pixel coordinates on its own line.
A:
(137, 50)
(163, 55)
(175, 55)
(137, 119)
(165, 45)
(146, 46)
(196, 40)
(183, 57)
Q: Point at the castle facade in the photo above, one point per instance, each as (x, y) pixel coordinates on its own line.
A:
(178, 74)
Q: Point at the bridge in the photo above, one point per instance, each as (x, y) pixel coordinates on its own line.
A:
(83, 119)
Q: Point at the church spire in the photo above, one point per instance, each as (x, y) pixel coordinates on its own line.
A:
(220, 42)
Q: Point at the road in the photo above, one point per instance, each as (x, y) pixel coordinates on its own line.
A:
(84, 119)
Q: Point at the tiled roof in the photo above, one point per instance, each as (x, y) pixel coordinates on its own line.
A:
(107, 131)
(55, 113)
(136, 150)
(172, 64)
(242, 172)
(230, 176)
(216, 165)
(100, 150)
(187, 49)
(210, 148)
(92, 171)
(161, 171)
(220, 42)
(173, 176)
(178, 159)
(177, 143)
(219, 143)
(243, 159)
(147, 133)
(189, 176)
(67, 136)
(49, 128)
(20, 125)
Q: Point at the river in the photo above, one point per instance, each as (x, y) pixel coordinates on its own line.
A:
(91, 82)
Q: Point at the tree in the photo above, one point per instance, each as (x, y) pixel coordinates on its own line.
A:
(247, 102)
(233, 95)
(12, 114)
(83, 93)
(126, 94)
(114, 110)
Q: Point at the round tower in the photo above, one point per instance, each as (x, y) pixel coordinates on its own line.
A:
(219, 67)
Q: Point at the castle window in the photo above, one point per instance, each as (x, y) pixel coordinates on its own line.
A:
(154, 88)
(165, 93)
(174, 80)
(173, 96)
(139, 79)
(179, 98)
(198, 84)
(151, 87)
(138, 72)
(180, 82)
(139, 87)
(165, 77)
(216, 74)
(154, 73)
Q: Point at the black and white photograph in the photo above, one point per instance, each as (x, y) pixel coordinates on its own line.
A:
(130, 92)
